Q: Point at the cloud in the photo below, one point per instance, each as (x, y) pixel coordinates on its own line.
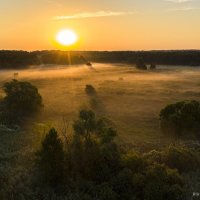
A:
(186, 8)
(92, 15)
(179, 1)
(184, 5)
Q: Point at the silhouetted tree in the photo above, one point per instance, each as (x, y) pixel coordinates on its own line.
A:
(51, 159)
(22, 99)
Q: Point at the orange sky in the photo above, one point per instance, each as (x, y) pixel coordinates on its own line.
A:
(101, 25)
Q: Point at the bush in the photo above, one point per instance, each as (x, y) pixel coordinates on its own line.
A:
(22, 99)
(90, 90)
(183, 159)
(181, 119)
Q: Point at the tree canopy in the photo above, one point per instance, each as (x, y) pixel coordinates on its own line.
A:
(21, 100)
(181, 119)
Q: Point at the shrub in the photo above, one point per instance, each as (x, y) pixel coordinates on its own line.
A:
(140, 64)
(181, 158)
(22, 99)
(90, 90)
(181, 119)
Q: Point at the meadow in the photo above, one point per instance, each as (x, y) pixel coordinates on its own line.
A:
(130, 98)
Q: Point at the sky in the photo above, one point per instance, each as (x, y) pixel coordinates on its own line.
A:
(101, 24)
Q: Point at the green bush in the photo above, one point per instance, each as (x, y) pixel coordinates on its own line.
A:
(181, 119)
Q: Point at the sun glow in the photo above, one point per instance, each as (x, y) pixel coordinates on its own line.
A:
(66, 37)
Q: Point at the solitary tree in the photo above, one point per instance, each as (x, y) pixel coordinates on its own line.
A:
(22, 99)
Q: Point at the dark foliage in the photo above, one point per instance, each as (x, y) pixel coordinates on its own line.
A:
(22, 59)
(181, 119)
(51, 159)
(181, 158)
(140, 64)
(90, 90)
(187, 57)
(95, 168)
(152, 66)
(22, 99)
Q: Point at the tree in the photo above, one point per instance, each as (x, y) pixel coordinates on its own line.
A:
(86, 124)
(95, 145)
(181, 119)
(22, 99)
(158, 182)
(51, 159)
(98, 169)
(181, 158)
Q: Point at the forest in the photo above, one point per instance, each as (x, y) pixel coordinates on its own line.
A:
(24, 59)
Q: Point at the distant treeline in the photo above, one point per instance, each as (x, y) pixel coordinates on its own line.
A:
(22, 59)
(187, 57)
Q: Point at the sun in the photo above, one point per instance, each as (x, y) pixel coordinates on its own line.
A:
(66, 37)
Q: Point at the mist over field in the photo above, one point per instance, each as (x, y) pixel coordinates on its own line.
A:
(130, 98)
